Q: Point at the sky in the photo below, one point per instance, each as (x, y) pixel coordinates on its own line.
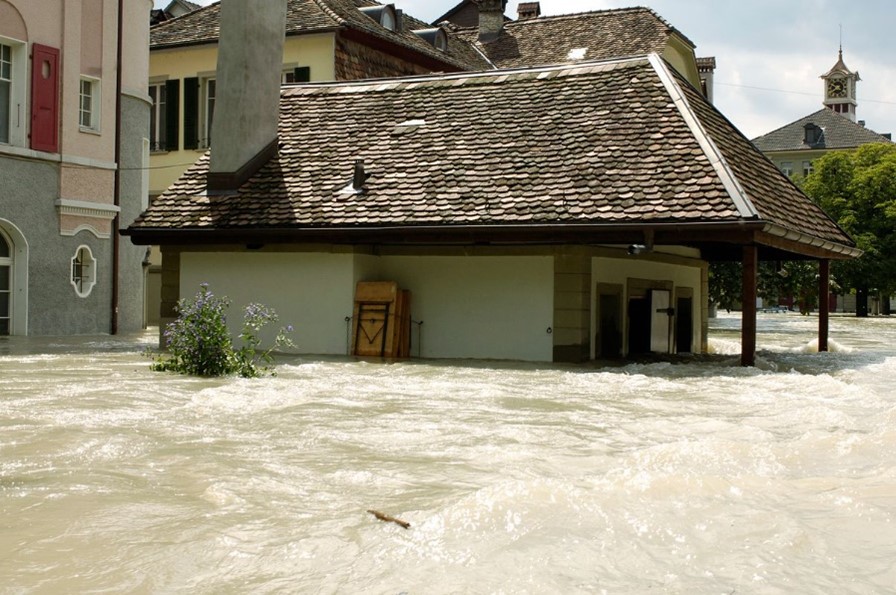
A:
(769, 54)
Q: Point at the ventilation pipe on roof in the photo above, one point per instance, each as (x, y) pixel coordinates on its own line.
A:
(491, 19)
(247, 102)
(359, 177)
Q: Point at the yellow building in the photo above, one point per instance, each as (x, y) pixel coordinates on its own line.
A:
(325, 40)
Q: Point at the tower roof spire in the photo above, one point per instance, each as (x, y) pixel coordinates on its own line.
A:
(841, 68)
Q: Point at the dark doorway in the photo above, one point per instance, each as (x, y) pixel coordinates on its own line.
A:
(610, 326)
(684, 325)
(639, 317)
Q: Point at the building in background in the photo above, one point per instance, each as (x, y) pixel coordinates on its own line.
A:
(176, 8)
(835, 127)
(73, 152)
(533, 39)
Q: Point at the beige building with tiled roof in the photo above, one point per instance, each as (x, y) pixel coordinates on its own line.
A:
(535, 40)
(546, 213)
(794, 146)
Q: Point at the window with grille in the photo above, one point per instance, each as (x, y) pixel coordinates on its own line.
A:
(83, 271)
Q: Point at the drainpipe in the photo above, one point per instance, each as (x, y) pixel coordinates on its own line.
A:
(116, 240)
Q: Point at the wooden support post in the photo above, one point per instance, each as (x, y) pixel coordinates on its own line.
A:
(824, 303)
(748, 298)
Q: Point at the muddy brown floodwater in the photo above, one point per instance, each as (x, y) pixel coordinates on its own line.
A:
(515, 478)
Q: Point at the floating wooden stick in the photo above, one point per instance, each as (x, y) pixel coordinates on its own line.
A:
(389, 519)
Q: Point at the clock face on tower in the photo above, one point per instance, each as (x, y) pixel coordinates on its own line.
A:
(836, 88)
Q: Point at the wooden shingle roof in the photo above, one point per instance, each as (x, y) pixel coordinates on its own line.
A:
(590, 36)
(838, 132)
(597, 146)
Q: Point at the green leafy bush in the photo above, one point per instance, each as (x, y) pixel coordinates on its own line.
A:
(199, 343)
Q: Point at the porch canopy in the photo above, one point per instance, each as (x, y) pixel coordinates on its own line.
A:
(613, 152)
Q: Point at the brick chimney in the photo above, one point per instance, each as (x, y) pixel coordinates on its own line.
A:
(247, 102)
(528, 10)
(491, 19)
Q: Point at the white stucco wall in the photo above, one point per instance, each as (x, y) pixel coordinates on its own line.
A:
(620, 270)
(471, 306)
(492, 307)
(314, 292)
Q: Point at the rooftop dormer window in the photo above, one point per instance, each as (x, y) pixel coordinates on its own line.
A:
(813, 134)
(435, 37)
(385, 15)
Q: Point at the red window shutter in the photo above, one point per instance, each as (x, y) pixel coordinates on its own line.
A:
(44, 98)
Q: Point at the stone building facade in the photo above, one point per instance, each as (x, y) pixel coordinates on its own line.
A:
(72, 165)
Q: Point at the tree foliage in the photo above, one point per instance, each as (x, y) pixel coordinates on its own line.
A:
(858, 190)
(776, 282)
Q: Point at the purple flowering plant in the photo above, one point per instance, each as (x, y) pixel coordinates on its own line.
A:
(199, 343)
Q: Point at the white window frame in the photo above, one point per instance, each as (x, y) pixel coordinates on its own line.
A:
(807, 169)
(158, 128)
(18, 85)
(6, 268)
(83, 280)
(208, 87)
(787, 168)
(89, 119)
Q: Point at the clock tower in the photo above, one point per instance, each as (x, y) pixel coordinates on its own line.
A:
(840, 89)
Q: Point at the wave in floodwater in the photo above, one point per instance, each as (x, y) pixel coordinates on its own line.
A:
(696, 477)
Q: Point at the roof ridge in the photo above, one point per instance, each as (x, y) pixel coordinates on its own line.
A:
(826, 113)
(555, 17)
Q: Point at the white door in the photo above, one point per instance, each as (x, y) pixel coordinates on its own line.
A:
(660, 321)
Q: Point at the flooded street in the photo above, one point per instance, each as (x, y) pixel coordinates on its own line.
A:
(516, 478)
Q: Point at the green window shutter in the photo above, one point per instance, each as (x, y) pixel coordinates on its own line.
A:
(191, 113)
(172, 114)
(303, 74)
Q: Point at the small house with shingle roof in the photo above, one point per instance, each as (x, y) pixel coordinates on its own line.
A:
(556, 213)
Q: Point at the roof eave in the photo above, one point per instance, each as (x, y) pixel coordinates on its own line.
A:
(736, 231)
(741, 233)
(791, 240)
(429, 61)
(215, 40)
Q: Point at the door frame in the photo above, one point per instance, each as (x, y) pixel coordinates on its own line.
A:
(640, 288)
(19, 276)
